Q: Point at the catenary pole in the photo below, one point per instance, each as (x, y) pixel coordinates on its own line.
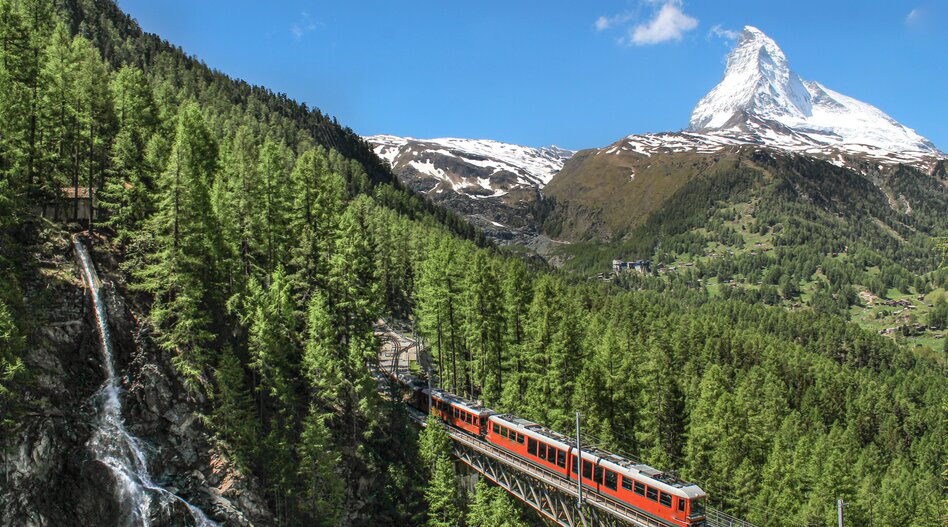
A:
(579, 465)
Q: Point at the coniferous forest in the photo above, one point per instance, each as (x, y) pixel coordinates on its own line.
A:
(266, 240)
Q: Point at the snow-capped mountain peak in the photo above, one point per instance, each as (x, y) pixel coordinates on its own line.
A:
(757, 79)
(761, 98)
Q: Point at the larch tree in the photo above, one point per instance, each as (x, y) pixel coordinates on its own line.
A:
(128, 193)
(182, 248)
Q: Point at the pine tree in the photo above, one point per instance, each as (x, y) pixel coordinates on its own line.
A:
(441, 493)
(484, 328)
(323, 493)
(60, 115)
(233, 415)
(437, 292)
(433, 442)
(493, 507)
(129, 191)
(96, 117)
(318, 204)
(355, 309)
(274, 359)
(323, 357)
(441, 496)
(15, 92)
(273, 171)
(183, 246)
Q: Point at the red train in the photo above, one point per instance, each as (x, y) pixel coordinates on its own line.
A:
(661, 496)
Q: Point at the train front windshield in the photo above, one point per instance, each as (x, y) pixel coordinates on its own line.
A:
(697, 507)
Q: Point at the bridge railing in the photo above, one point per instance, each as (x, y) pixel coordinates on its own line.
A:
(717, 518)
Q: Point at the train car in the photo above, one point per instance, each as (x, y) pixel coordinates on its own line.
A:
(540, 445)
(662, 496)
(459, 412)
(658, 494)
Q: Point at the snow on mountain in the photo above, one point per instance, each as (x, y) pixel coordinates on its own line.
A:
(761, 100)
(493, 184)
(533, 167)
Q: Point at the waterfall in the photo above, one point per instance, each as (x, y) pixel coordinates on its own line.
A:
(111, 443)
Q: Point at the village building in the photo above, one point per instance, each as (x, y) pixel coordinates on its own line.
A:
(74, 205)
(639, 266)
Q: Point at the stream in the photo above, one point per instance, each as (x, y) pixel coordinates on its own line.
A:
(141, 500)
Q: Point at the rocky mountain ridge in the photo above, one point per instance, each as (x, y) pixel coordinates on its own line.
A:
(760, 103)
(494, 184)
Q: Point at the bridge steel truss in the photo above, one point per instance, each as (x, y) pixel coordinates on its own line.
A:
(553, 496)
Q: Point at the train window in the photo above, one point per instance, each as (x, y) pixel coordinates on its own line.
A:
(496, 428)
(681, 505)
(573, 464)
(542, 451)
(520, 438)
(587, 469)
(598, 477)
(504, 432)
(665, 499)
(640, 488)
(651, 494)
(626, 483)
(469, 418)
(612, 480)
(531, 446)
(561, 458)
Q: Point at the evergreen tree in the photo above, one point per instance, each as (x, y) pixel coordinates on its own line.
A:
(318, 204)
(233, 415)
(182, 247)
(484, 327)
(441, 493)
(128, 193)
(324, 493)
(493, 507)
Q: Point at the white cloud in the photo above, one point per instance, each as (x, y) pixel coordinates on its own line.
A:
(720, 32)
(914, 16)
(670, 23)
(605, 22)
(303, 26)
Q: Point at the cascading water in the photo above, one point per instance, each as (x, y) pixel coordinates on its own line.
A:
(111, 443)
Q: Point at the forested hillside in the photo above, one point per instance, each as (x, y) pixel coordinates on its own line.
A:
(265, 241)
(794, 231)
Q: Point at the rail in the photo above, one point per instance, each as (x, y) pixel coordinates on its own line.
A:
(628, 514)
(624, 513)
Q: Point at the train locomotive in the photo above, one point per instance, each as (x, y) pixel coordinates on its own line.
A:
(661, 496)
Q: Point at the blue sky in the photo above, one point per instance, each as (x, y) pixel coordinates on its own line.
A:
(574, 74)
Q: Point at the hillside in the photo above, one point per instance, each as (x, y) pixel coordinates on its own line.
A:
(778, 181)
(248, 246)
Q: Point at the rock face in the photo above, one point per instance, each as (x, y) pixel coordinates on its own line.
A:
(495, 185)
(51, 477)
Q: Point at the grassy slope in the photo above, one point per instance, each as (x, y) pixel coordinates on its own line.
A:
(674, 198)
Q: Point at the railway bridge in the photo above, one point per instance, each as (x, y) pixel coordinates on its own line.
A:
(553, 496)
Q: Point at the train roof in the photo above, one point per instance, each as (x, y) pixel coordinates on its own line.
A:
(460, 402)
(662, 480)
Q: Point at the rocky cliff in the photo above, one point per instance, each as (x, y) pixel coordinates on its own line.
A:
(51, 476)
